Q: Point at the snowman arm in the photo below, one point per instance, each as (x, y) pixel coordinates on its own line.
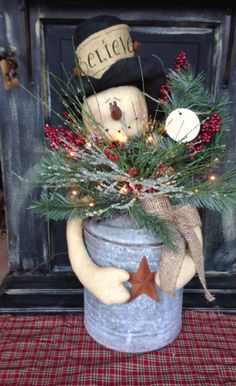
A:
(105, 283)
(188, 269)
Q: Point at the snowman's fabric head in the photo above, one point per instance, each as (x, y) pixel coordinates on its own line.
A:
(106, 58)
(113, 78)
(119, 112)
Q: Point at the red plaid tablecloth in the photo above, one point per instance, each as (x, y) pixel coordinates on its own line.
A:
(56, 350)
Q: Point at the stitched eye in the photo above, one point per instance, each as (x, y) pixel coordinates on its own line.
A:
(119, 131)
(129, 127)
(106, 129)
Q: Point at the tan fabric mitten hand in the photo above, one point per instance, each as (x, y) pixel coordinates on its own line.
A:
(105, 283)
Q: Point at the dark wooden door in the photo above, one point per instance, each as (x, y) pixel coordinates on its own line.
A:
(41, 279)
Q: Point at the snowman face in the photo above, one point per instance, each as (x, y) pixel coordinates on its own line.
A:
(120, 113)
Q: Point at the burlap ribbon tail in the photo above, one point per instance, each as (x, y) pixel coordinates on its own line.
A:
(183, 218)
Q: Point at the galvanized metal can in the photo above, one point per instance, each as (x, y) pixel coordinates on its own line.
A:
(143, 324)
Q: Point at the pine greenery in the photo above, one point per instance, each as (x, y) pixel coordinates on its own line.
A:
(155, 225)
(91, 183)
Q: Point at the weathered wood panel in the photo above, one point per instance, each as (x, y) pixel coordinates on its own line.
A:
(21, 146)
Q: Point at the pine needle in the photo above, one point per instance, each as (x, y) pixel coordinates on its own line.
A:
(152, 223)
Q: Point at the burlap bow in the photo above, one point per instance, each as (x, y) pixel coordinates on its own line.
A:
(183, 218)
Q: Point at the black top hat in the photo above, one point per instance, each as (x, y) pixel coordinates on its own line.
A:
(96, 34)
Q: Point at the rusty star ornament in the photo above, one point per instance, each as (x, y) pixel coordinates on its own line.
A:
(143, 282)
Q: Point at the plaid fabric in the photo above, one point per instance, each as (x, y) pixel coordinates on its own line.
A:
(56, 350)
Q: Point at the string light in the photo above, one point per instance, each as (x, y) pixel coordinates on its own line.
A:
(87, 201)
(212, 177)
(120, 137)
(74, 192)
(88, 145)
(71, 153)
(124, 189)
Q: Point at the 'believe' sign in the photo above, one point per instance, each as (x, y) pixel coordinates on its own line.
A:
(101, 50)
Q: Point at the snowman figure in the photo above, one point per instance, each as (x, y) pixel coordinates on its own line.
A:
(115, 104)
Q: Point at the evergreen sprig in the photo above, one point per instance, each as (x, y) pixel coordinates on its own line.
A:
(103, 186)
(189, 91)
(159, 227)
(53, 206)
(217, 195)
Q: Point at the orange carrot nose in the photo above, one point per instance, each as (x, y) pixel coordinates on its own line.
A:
(116, 112)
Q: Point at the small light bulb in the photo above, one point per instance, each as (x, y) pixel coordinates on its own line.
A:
(71, 153)
(212, 177)
(74, 192)
(88, 145)
(120, 137)
(124, 189)
(91, 204)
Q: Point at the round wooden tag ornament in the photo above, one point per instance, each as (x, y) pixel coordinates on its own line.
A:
(182, 125)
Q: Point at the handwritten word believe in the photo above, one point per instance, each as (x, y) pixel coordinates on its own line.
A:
(121, 46)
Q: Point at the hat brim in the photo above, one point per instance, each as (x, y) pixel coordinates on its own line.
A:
(137, 71)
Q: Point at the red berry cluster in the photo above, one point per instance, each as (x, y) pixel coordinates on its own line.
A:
(164, 170)
(207, 130)
(164, 92)
(132, 172)
(150, 190)
(109, 152)
(56, 137)
(181, 61)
